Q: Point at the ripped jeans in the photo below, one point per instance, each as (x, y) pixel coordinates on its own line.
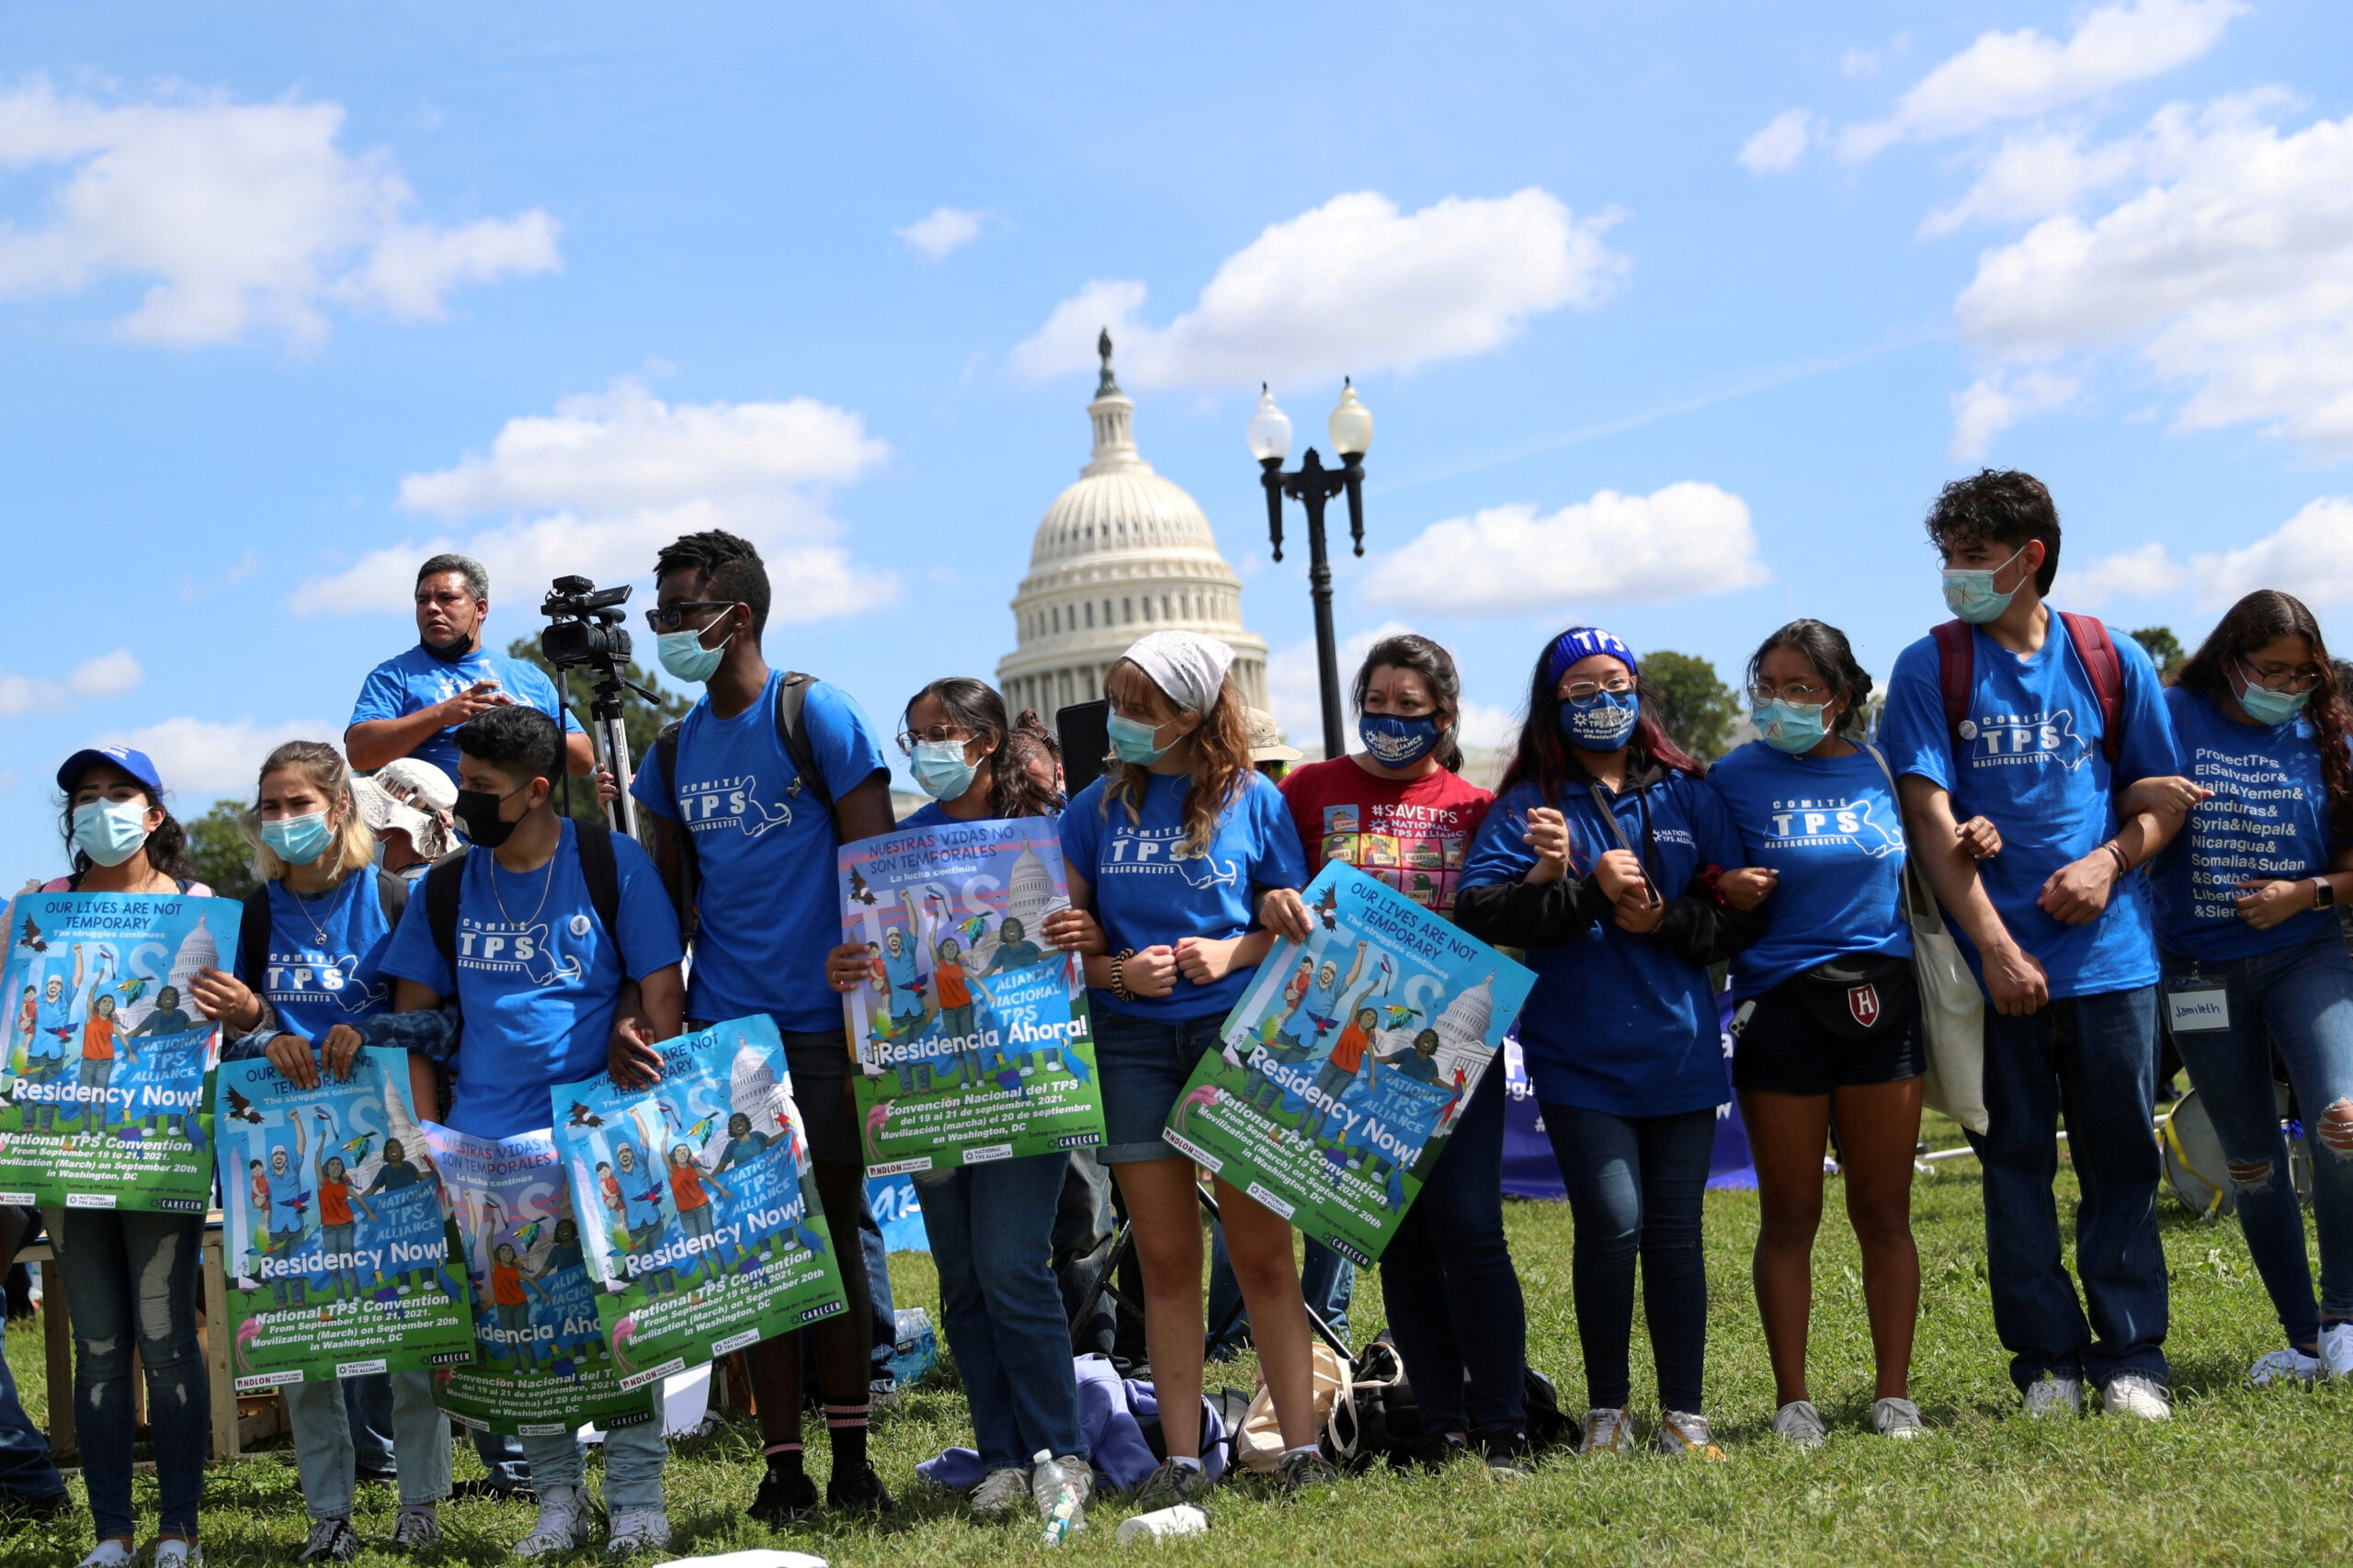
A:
(130, 1279)
(2300, 997)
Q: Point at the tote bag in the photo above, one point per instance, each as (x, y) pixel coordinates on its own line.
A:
(1952, 1009)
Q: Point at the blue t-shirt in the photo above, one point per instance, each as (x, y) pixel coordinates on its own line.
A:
(538, 989)
(326, 954)
(1616, 1021)
(413, 680)
(2031, 763)
(765, 913)
(1147, 896)
(931, 814)
(2268, 817)
(1831, 827)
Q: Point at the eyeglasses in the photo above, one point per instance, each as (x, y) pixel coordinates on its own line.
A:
(2291, 682)
(670, 618)
(1803, 693)
(1584, 693)
(937, 733)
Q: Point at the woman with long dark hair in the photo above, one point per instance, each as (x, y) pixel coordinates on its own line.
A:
(1447, 1276)
(2252, 954)
(1175, 849)
(991, 1224)
(1597, 858)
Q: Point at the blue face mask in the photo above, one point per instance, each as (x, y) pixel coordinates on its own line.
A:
(1969, 591)
(297, 841)
(1132, 741)
(941, 769)
(2268, 707)
(1789, 726)
(683, 654)
(1395, 742)
(110, 832)
(1605, 724)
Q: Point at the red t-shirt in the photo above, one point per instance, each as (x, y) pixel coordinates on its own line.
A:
(1411, 836)
(334, 1203)
(686, 1186)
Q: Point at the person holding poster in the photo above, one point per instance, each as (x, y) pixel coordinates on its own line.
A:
(1172, 851)
(307, 969)
(538, 970)
(1595, 858)
(991, 1225)
(130, 1273)
(747, 800)
(1447, 1276)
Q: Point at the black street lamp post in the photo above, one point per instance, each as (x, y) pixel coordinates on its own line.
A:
(1311, 485)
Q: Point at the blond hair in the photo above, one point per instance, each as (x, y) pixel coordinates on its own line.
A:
(1222, 768)
(322, 768)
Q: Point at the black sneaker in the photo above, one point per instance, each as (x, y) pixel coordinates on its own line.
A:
(1302, 1473)
(783, 1500)
(859, 1492)
(1508, 1451)
(1170, 1485)
(1440, 1449)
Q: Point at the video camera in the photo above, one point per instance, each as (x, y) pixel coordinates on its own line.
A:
(587, 624)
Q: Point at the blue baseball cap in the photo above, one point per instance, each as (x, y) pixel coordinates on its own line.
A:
(134, 763)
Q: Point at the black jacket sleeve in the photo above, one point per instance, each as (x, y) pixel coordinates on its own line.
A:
(1522, 914)
(1702, 931)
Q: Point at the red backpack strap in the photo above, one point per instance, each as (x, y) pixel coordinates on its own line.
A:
(2105, 670)
(1956, 675)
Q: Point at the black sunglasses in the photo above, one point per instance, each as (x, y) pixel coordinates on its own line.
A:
(670, 618)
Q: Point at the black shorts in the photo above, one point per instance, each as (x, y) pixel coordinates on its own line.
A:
(820, 1064)
(1783, 1051)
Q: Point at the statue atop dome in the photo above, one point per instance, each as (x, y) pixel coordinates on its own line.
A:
(1105, 387)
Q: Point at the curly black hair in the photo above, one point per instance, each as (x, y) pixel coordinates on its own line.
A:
(730, 566)
(2002, 505)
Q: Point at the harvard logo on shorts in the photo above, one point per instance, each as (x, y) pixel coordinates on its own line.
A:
(1863, 1001)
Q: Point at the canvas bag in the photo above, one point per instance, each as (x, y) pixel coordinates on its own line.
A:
(1259, 1445)
(1952, 1009)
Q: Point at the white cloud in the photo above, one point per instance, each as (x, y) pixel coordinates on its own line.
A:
(2310, 555)
(2147, 573)
(108, 675)
(2023, 74)
(241, 216)
(1994, 403)
(946, 229)
(1781, 144)
(1293, 684)
(1353, 286)
(1678, 542)
(1485, 726)
(610, 477)
(2235, 278)
(204, 757)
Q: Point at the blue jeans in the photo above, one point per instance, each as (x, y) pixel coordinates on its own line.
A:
(367, 1410)
(633, 1460)
(1145, 1064)
(502, 1454)
(2093, 1058)
(1327, 1280)
(2300, 997)
(1453, 1296)
(1635, 1186)
(131, 1280)
(27, 1473)
(992, 1231)
(323, 1453)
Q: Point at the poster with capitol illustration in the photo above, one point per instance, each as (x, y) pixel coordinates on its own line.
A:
(104, 1054)
(1340, 1073)
(971, 1034)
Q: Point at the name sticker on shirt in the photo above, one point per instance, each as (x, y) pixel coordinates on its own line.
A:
(2198, 1006)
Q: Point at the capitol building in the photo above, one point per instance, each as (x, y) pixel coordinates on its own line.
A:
(1119, 554)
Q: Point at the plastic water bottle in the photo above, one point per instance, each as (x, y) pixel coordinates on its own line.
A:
(1185, 1518)
(1058, 1494)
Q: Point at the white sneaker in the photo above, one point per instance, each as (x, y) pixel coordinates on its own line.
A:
(2135, 1393)
(999, 1492)
(107, 1554)
(2337, 1351)
(562, 1523)
(177, 1553)
(2289, 1365)
(2051, 1395)
(637, 1529)
(1898, 1418)
(1799, 1424)
(1686, 1432)
(1608, 1432)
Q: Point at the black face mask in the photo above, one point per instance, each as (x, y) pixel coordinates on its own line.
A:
(478, 818)
(456, 652)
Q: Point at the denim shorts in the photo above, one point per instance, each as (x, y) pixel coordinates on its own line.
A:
(1145, 1064)
(819, 1064)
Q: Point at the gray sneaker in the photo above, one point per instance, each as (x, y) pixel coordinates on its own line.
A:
(1171, 1484)
(1898, 1418)
(330, 1541)
(417, 1529)
(1799, 1424)
(1303, 1472)
(2051, 1395)
(999, 1492)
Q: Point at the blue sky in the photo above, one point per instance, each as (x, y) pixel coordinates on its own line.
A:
(1673, 317)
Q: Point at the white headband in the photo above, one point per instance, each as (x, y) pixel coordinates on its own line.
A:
(1190, 668)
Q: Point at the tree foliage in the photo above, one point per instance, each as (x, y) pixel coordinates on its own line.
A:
(641, 721)
(2165, 650)
(1683, 694)
(224, 855)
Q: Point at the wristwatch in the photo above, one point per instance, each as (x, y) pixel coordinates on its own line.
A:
(1118, 974)
(2324, 893)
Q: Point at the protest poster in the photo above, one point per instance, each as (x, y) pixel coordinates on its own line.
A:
(103, 1102)
(333, 1240)
(971, 1035)
(704, 1233)
(1341, 1070)
(540, 1365)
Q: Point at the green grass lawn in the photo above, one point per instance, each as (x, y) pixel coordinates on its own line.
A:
(2240, 1475)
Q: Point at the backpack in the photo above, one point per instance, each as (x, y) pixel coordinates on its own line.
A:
(1956, 674)
(253, 930)
(598, 869)
(792, 696)
(1376, 1416)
